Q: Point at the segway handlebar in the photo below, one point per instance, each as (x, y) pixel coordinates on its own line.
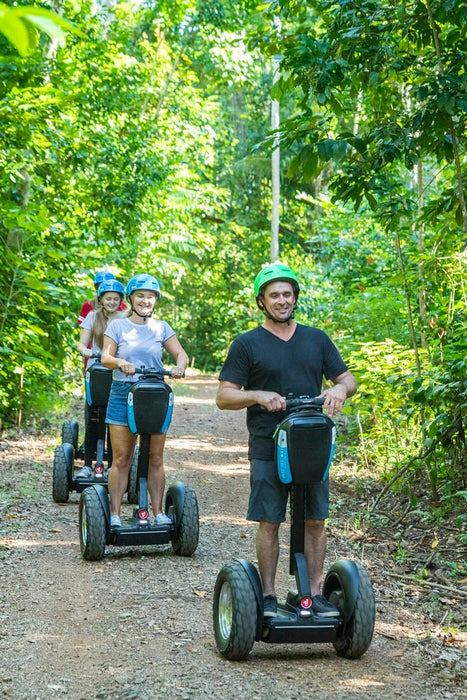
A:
(93, 356)
(154, 372)
(305, 402)
(298, 402)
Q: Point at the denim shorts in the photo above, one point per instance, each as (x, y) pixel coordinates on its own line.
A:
(116, 408)
(268, 495)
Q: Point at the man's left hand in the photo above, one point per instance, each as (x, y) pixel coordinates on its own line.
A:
(334, 399)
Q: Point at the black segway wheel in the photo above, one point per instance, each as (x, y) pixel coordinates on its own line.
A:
(357, 633)
(182, 506)
(133, 494)
(70, 433)
(234, 613)
(92, 525)
(60, 477)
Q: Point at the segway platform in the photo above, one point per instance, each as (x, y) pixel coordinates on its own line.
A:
(98, 381)
(304, 448)
(149, 412)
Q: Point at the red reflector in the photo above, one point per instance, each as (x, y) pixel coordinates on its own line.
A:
(306, 602)
(143, 515)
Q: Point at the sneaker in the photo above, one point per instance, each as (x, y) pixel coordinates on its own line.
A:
(84, 473)
(323, 608)
(269, 606)
(162, 519)
(115, 521)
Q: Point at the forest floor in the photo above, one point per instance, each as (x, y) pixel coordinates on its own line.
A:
(138, 623)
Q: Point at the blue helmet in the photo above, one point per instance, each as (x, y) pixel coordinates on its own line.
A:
(111, 285)
(101, 276)
(143, 281)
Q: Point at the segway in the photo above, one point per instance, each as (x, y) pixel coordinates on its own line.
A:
(98, 380)
(304, 448)
(149, 411)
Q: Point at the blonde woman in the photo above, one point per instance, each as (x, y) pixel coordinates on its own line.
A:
(109, 298)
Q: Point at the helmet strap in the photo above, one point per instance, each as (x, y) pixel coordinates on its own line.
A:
(145, 316)
(276, 320)
(272, 318)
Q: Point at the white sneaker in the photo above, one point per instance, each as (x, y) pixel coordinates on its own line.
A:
(84, 473)
(162, 519)
(115, 521)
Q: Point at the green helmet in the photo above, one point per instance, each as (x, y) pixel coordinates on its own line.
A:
(273, 273)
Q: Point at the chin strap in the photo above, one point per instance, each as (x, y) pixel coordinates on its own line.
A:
(272, 318)
(145, 316)
(276, 320)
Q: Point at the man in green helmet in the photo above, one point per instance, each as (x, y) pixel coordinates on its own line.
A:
(263, 366)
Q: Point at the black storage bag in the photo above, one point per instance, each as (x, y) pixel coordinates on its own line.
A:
(304, 447)
(97, 382)
(149, 406)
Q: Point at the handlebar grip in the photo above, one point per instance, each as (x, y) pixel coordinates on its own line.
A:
(304, 401)
(153, 370)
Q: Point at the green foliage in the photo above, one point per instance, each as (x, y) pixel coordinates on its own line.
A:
(20, 25)
(443, 396)
(146, 146)
(382, 86)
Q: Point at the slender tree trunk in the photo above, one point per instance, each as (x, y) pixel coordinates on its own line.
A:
(413, 334)
(275, 159)
(421, 248)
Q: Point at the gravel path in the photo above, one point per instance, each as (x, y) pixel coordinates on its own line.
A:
(138, 624)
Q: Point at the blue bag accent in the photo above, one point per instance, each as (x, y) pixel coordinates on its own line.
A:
(168, 417)
(282, 458)
(130, 413)
(87, 388)
(333, 447)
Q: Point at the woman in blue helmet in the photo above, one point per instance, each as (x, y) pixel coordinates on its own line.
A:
(109, 299)
(92, 304)
(137, 340)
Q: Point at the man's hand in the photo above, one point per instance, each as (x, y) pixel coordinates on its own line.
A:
(344, 386)
(233, 397)
(334, 399)
(270, 400)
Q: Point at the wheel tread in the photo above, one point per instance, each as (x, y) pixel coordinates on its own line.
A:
(60, 485)
(186, 540)
(358, 632)
(92, 526)
(244, 613)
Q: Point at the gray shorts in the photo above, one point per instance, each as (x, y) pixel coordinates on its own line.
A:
(116, 408)
(268, 495)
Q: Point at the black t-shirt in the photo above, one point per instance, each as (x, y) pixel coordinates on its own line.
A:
(260, 360)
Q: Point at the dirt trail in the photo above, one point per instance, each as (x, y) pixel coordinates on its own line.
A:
(138, 624)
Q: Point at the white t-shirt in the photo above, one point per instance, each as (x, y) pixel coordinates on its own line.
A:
(141, 344)
(87, 325)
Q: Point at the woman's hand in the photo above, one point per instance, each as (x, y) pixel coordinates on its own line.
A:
(127, 368)
(177, 372)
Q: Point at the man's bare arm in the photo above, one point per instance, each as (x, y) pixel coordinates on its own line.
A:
(233, 397)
